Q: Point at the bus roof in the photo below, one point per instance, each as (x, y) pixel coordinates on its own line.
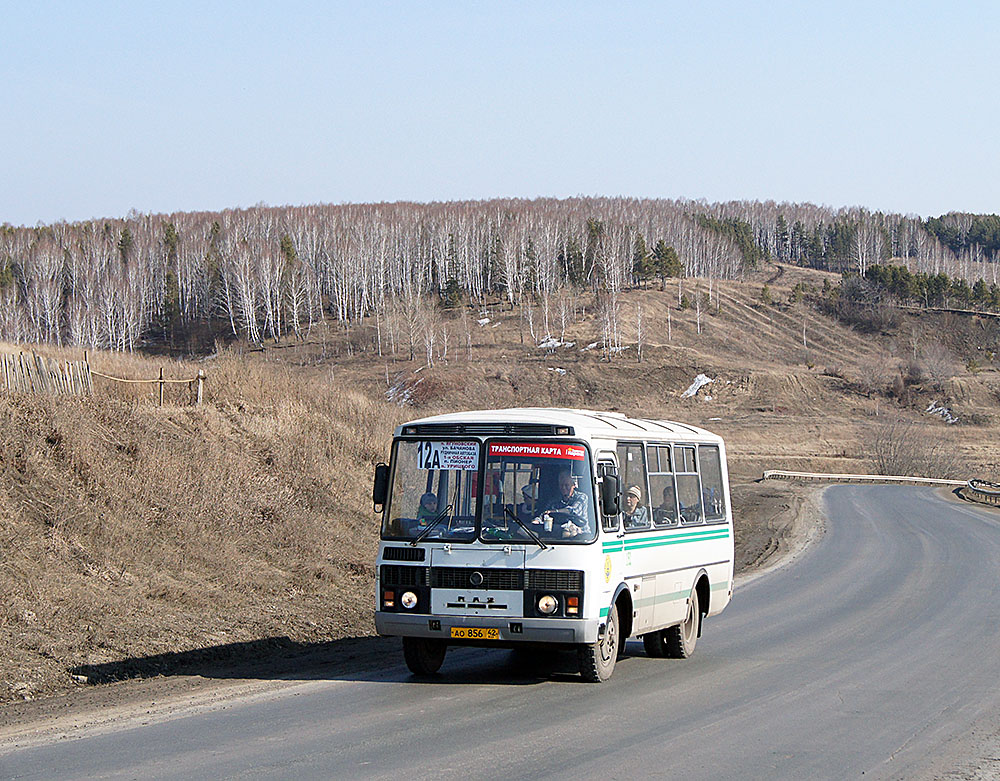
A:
(585, 423)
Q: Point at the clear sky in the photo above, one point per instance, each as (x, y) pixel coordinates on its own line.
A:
(172, 106)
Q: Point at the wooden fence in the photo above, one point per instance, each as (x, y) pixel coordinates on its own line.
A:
(30, 373)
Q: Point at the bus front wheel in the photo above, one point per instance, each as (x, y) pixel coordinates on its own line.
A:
(424, 656)
(597, 660)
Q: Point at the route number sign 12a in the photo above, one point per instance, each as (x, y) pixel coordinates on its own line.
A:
(463, 456)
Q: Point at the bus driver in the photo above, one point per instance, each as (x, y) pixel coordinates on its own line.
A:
(570, 509)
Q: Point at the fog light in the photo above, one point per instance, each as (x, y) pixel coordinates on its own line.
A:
(547, 605)
(408, 600)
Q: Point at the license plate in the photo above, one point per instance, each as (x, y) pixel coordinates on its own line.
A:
(475, 633)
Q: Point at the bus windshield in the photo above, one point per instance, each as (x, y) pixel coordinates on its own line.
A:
(433, 492)
(546, 487)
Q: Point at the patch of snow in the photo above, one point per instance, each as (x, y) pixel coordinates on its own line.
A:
(946, 414)
(484, 321)
(557, 370)
(402, 389)
(590, 346)
(551, 343)
(699, 382)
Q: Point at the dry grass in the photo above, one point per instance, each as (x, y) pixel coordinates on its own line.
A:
(130, 529)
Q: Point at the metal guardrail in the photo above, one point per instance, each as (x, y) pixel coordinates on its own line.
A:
(780, 474)
(983, 491)
(974, 490)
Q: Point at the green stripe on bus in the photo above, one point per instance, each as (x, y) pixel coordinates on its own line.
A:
(675, 596)
(670, 539)
(684, 535)
(675, 541)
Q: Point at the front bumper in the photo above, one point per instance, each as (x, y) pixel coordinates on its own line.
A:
(533, 630)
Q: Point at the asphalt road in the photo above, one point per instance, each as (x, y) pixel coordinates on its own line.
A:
(873, 653)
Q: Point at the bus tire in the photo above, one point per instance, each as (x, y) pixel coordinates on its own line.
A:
(655, 644)
(424, 656)
(597, 660)
(679, 641)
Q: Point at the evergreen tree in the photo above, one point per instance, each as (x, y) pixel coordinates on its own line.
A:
(981, 293)
(781, 237)
(666, 263)
(642, 265)
(571, 259)
(125, 244)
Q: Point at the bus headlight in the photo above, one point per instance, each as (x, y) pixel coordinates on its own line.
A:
(408, 600)
(547, 605)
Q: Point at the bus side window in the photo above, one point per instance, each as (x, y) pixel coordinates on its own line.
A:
(712, 495)
(663, 493)
(688, 485)
(633, 475)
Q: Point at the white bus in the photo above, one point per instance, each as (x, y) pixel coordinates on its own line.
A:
(562, 527)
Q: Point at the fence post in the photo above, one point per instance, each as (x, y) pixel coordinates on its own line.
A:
(201, 382)
(161, 386)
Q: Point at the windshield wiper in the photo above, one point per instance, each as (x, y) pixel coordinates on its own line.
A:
(433, 523)
(519, 522)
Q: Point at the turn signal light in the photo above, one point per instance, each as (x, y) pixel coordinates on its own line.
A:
(389, 599)
(572, 605)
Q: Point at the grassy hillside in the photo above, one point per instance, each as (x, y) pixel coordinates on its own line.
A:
(130, 529)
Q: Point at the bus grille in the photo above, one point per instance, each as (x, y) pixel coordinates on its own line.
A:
(403, 554)
(494, 579)
(395, 575)
(554, 580)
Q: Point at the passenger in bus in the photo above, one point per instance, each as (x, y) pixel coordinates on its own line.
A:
(666, 513)
(428, 509)
(569, 510)
(526, 507)
(636, 515)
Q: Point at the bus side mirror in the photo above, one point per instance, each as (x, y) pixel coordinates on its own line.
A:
(381, 487)
(611, 495)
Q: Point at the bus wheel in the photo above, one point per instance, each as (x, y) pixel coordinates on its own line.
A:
(655, 644)
(597, 660)
(423, 656)
(679, 641)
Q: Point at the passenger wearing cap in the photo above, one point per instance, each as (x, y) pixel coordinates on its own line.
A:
(428, 508)
(636, 515)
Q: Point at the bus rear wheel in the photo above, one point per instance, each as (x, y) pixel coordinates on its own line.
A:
(424, 656)
(655, 644)
(597, 660)
(679, 641)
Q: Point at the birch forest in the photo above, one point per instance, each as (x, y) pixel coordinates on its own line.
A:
(274, 272)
